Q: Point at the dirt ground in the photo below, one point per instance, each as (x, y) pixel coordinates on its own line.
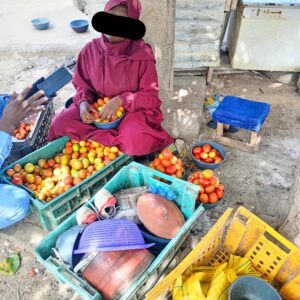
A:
(261, 182)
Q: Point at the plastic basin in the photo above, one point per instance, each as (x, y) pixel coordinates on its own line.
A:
(79, 26)
(250, 287)
(110, 125)
(203, 165)
(40, 23)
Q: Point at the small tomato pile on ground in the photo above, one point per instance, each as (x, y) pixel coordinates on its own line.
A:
(211, 190)
(207, 154)
(22, 131)
(99, 105)
(168, 163)
(52, 177)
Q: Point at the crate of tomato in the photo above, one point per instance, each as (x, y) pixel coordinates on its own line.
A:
(63, 175)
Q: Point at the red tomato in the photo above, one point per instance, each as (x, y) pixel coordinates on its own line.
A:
(178, 164)
(197, 174)
(197, 156)
(167, 153)
(197, 150)
(221, 187)
(73, 141)
(220, 193)
(204, 198)
(209, 160)
(190, 180)
(206, 148)
(218, 160)
(213, 198)
(209, 189)
(203, 155)
(152, 165)
(156, 162)
(166, 163)
(204, 182)
(202, 190)
(171, 170)
(213, 180)
(161, 168)
(179, 174)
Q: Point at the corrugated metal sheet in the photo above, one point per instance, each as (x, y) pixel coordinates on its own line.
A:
(197, 33)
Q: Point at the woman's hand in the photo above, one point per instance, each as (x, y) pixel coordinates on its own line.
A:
(110, 109)
(85, 112)
(17, 109)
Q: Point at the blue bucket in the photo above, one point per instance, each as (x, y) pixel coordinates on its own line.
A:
(110, 125)
(250, 288)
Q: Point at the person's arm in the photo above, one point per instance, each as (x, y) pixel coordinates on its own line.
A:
(147, 96)
(15, 111)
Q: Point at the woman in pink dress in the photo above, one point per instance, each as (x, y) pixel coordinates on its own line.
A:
(124, 70)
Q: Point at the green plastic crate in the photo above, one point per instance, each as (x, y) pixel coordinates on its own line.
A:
(55, 212)
(133, 175)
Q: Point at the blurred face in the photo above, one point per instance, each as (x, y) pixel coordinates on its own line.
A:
(121, 11)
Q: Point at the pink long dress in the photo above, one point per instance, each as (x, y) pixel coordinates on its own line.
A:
(126, 69)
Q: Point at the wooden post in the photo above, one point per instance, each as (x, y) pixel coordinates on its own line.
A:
(210, 72)
(220, 129)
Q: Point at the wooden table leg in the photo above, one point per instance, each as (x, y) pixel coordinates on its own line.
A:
(220, 128)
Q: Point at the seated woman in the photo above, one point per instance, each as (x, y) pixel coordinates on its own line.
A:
(124, 70)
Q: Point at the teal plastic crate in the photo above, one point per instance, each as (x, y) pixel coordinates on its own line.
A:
(53, 213)
(133, 175)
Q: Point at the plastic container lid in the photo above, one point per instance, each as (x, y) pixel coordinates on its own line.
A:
(159, 215)
(111, 235)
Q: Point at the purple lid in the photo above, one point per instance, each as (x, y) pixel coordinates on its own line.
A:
(111, 235)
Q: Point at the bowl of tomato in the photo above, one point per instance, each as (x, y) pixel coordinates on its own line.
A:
(208, 155)
(211, 190)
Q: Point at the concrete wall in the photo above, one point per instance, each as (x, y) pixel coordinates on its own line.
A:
(158, 17)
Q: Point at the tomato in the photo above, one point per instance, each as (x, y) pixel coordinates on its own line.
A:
(161, 168)
(190, 180)
(32, 187)
(29, 178)
(29, 168)
(209, 160)
(82, 174)
(68, 180)
(221, 187)
(171, 170)
(220, 193)
(76, 180)
(69, 150)
(76, 147)
(218, 160)
(10, 172)
(178, 164)
(167, 153)
(152, 165)
(179, 174)
(173, 160)
(204, 182)
(156, 162)
(203, 155)
(166, 163)
(212, 154)
(197, 156)
(74, 141)
(197, 150)
(51, 162)
(69, 144)
(17, 168)
(206, 148)
(204, 198)
(208, 174)
(202, 190)
(209, 189)
(213, 198)
(48, 173)
(197, 174)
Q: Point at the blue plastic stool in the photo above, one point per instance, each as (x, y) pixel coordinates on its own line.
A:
(241, 113)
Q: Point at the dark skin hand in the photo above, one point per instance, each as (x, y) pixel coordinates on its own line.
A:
(110, 109)
(85, 112)
(17, 109)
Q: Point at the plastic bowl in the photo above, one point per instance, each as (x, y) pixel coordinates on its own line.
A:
(160, 243)
(40, 23)
(250, 287)
(110, 125)
(203, 165)
(79, 26)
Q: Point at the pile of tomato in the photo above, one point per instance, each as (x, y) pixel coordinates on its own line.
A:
(100, 104)
(211, 190)
(50, 178)
(207, 154)
(22, 131)
(168, 163)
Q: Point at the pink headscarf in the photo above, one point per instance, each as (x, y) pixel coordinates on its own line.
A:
(133, 6)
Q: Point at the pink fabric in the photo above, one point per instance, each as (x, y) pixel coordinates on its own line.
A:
(126, 69)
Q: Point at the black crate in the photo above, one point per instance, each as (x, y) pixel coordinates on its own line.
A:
(38, 139)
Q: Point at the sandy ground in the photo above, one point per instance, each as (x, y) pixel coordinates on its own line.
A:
(260, 182)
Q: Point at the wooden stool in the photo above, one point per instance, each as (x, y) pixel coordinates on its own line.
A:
(250, 147)
(241, 113)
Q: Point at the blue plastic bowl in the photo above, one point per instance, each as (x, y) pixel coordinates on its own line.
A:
(110, 125)
(40, 23)
(203, 165)
(250, 287)
(79, 26)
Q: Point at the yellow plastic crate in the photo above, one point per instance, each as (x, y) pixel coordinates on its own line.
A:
(244, 234)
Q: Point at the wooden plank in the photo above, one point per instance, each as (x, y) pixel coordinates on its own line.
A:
(227, 5)
(209, 74)
(220, 129)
